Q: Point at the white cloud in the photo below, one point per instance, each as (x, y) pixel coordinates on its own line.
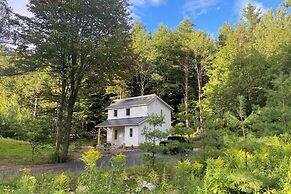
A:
(137, 6)
(142, 3)
(194, 8)
(241, 4)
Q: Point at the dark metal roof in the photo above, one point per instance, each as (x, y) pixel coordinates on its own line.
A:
(123, 122)
(135, 101)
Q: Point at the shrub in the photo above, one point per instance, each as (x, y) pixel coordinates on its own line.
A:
(186, 179)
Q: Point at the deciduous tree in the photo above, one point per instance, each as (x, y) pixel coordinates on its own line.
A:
(72, 39)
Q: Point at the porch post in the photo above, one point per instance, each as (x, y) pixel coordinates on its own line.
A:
(112, 136)
(99, 133)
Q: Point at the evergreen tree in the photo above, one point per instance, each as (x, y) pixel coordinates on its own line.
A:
(252, 15)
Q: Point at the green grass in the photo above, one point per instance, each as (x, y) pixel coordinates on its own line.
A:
(20, 152)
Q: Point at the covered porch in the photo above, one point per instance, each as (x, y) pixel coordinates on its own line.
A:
(116, 136)
(121, 132)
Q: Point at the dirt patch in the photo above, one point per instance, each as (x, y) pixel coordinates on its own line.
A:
(5, 162)
(72, 166)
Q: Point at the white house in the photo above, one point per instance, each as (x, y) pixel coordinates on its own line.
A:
(128, 117)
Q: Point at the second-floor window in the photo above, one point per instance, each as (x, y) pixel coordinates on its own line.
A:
(115, 113)
(128, 112)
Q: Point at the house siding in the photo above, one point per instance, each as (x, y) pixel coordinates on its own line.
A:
(132, 141)
(141, 138)
(155, 108)
(140, 111)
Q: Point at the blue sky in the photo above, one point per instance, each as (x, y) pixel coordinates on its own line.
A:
(207, 15)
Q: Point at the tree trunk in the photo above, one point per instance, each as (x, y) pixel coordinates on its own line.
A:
(32, 152)
(199, 83)
(186, 94)
(69, 124)
(35, 108)
(142, 79)
(60, 116)
(75, 81)
(142, 83)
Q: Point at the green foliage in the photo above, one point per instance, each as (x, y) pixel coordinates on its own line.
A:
(268, 160)
(152, 136)
(252, 15)
(248, 60)
(193, 173)
(25, 105)
(275, 117)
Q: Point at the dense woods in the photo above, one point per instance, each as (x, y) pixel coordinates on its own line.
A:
(60, 69)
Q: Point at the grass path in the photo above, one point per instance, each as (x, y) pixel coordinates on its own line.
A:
(20, 152)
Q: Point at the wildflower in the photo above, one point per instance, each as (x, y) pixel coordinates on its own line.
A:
(25, 170)
(90, 157)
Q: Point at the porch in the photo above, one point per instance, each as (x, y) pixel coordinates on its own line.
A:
(116, 136)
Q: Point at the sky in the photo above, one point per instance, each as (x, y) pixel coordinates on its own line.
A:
(207, 15)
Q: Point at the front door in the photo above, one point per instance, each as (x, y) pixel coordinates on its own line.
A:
(119, 136)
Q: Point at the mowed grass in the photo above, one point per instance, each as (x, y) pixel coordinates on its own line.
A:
(20, 152)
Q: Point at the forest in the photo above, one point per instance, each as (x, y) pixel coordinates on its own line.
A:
(231, 94)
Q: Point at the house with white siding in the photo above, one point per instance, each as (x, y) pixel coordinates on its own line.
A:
(128, 117)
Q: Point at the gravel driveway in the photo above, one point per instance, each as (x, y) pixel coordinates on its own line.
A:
(133, 158)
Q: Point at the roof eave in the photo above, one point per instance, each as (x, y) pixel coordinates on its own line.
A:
(123, 125)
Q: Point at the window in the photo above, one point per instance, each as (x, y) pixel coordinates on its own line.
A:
(115, 113)
(161, 112)
(115, 135)
(130, 132)
(127, 112)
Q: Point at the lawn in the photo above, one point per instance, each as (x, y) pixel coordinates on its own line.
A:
(20, 152)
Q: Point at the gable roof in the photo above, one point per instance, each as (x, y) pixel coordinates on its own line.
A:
(136, 101)
(123, 122)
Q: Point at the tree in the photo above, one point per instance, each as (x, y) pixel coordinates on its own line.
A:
(5, 15)
(247, 62)
(184, 34)
(153, 135)
(240, 122)
(140, 48)
(252, 15)
(203, 50)
(72, 39)
(166, 72)
(275, 117)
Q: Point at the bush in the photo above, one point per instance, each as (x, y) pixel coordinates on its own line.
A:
(190, 170)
